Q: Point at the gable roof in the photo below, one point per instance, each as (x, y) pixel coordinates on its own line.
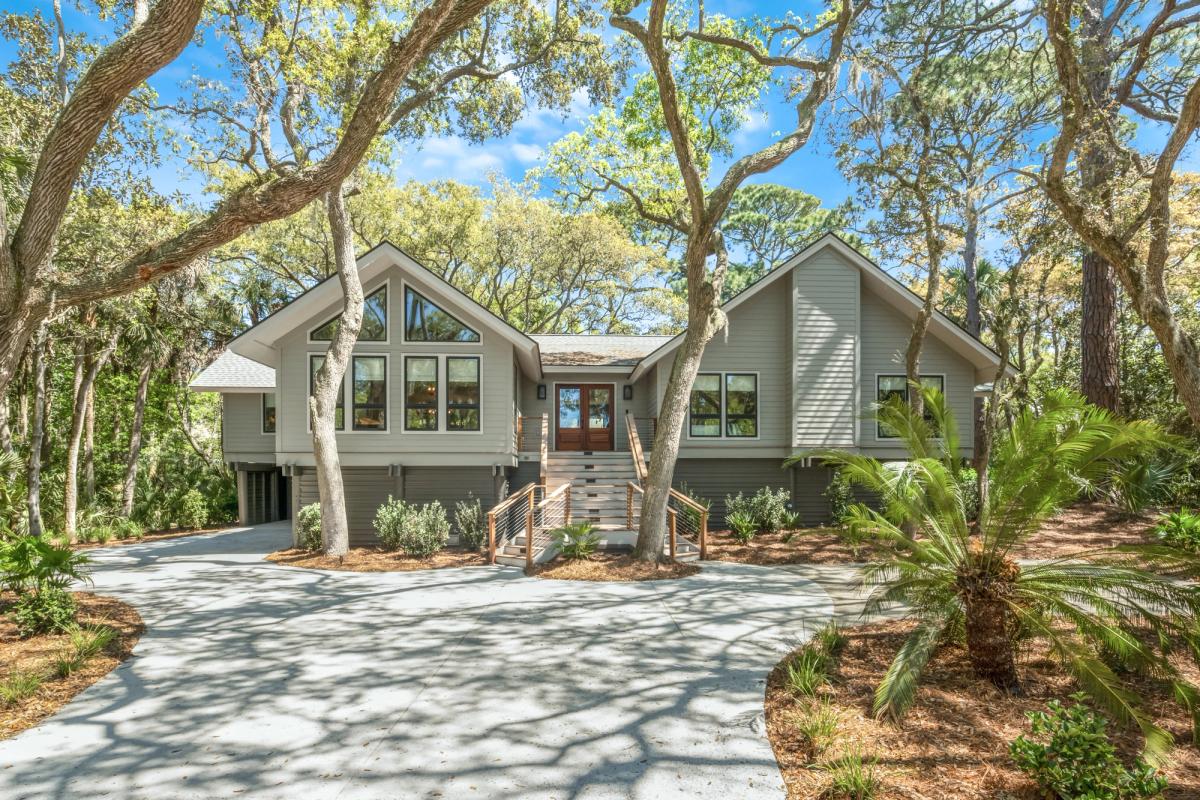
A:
(258, 341)
(595, 350)
(890, 289)
(234, 373)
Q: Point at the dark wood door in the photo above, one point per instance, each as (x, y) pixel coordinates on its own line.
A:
(584, 416)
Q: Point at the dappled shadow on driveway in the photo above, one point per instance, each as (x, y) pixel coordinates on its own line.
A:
(256, 680)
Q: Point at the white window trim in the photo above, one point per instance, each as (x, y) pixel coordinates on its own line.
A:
(478, 359)
(386, 285)
(404, 287)
(724, 437)
(387, 391)
(875, 402)
(348, 393)
(262, 413)
(443, 395)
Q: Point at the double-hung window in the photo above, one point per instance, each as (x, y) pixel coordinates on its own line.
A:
(462, 393)
(724, 405)
(421, 393)
(339, 414)
(889, 386)
(268, 412)
(369, 410)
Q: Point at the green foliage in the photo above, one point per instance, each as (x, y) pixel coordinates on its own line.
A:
(1077, 760)
(577, 540)
(742, 525)
(840, 494)
(19, 685)
(1079, 606)
(818, 723)
(128, 529)
(690, 516)
(86, 642)
(193, 510)
(1180, 529)
(831, 640)
(968, 486)
(851, 777)
(45, 610)
(308, 523)
(767, 508)
(29, 563)
(807, 671)
(1142, 480)
(419, 532)
(471, 523)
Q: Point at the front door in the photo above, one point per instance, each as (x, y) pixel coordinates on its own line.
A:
(585, 416)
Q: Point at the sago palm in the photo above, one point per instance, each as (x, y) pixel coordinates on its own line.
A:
(1091, 608)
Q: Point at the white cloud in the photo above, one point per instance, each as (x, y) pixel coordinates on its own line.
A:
(526, 153)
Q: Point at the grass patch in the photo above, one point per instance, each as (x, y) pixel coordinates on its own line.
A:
(85, 643)
(850, 777)
(19, 685)
(818, 725)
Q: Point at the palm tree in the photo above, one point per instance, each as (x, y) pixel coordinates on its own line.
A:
(1089, 607)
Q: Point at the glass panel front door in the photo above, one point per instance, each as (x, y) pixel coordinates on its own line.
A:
(580, 426)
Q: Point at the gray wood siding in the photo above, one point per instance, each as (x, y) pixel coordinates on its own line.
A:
(397, 446)
(241, 428)
(366, 489)
(825, 330)
(756, 341)
(714, 479)
(448, 485)
(884, 338)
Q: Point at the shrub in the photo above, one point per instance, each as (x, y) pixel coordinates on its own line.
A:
(968, 487)
(419, 532)
(1142, 480)
(840, 494)
(471, 523)
(742, 525)
(308, 524)
(1079, 760)
(46, 610)
(128, 529)
(851, 777)
(193, 510)
(28, 563)
(768, 508)
(691, 517)
(1180, 529)
(818, 725)
(577, 540)
(830, 640)
(19, 685)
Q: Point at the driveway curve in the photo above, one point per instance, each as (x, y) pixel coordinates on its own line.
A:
(256, 680)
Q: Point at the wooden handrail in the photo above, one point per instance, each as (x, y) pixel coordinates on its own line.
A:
(512, 498)
(544, 447)
(565, 488)
(635, 446)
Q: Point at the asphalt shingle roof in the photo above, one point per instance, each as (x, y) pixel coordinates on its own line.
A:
(231, 371)
(596, 351)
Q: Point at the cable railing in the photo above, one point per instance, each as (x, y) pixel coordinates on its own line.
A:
(530, 512)
(509, 518)
(687, 520)
(530, 433)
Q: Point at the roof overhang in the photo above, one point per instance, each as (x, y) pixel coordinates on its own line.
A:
(260, 342)
(884, 285)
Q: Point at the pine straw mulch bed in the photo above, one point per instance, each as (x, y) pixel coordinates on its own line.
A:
(1089, 526)
(155, 536)
(373, 559)
(802, 546)
(953, 743)
(612, 566)
(37, 653)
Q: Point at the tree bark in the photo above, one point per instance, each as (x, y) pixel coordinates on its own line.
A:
(135, 437)
(982, 444)
(89, 445)
(78, 414)
(322, 404)
(33, 479)
(989, 642)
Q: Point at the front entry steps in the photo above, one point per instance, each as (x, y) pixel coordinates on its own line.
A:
(513, 554)
(598, 485)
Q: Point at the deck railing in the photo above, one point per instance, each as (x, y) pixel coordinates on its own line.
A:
(687, 520)
(635, 446)
(509, 518)
(530, 433)
(531, 511)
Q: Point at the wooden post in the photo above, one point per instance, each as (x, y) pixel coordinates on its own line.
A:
(529, 534)
(520, 435)
(544, 447)
(491, 537)
(671, 514)
(703, 534)
(567, 508)
(629, 506)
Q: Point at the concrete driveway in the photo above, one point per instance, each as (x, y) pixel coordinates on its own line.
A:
(255, 680)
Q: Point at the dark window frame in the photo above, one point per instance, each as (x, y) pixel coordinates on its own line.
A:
(355, 405)
(274, 412)
(477, 406)
(437, 389)
(725, 405)
(314, 339)
(341, 403)
(407, 323)
(719, 416)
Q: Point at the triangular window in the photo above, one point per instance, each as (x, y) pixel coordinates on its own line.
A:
(426, 322)
(374, 324)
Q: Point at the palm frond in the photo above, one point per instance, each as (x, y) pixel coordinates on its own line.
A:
(898, 689)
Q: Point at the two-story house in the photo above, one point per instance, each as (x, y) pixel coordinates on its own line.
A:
(444, 400)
